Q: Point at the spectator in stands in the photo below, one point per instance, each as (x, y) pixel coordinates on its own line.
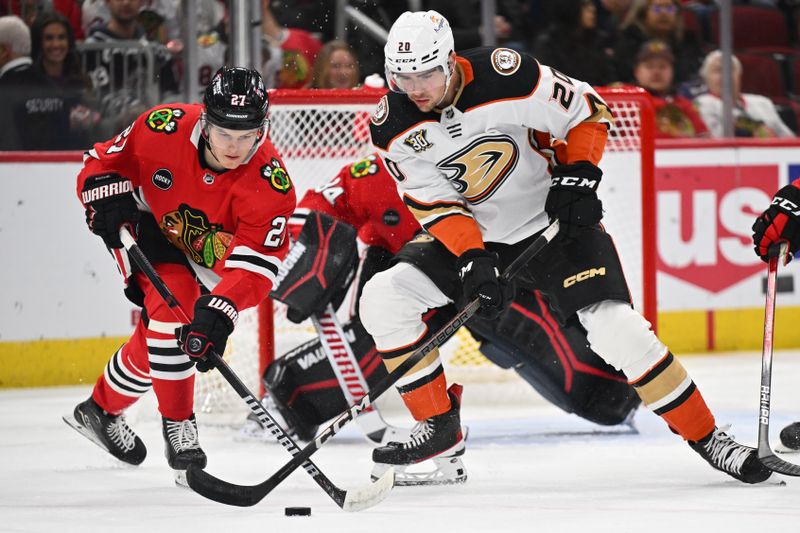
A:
(675, 115)
(753, 115)
(292, 48)
(33, 113)
(574, 45)
(657, 19)
(119, 74)
(336, 67)
(54, 56)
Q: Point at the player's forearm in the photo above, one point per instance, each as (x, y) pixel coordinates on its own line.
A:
(587, 142)
(245, 289)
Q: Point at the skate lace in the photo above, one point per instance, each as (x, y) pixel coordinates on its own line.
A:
(420, 433)
(182, 435)
(725, 452)
(121, 434)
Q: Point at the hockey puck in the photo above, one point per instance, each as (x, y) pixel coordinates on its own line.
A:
(297, 511)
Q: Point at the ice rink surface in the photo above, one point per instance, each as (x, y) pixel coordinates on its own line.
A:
(531, 468)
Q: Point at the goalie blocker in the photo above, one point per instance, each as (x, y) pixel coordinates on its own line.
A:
(554, 359)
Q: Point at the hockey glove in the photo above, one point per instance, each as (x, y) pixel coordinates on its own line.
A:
(214, 320)
(480, 279)
(572, 199)
(109, 205)
(779, 223)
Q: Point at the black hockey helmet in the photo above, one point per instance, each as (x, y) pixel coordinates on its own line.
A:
(236, 99)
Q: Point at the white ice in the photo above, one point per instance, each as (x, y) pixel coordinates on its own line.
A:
(531, 468)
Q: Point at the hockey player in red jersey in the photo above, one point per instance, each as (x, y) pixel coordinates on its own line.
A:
(463, 137)
(208, 199)
(780, 223)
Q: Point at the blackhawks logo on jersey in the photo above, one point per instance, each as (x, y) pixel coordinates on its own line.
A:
(190, 231)
(277, 176)
(365, 167)
(164, 120)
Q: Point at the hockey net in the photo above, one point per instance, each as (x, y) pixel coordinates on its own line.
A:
(319, 131)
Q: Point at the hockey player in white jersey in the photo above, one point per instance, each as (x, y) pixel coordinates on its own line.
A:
(487, 146)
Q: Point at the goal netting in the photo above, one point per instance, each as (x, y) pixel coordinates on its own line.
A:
(319, 131)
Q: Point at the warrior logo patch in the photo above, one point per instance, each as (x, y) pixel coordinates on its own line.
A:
(277, 176)
(381, 111)
(418, 140)
(505, 61)
(366, 167)
(162, 178)
(164, 120)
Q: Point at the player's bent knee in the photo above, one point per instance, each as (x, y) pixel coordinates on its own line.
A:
(621, 336)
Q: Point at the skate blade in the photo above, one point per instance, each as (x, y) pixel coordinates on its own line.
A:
(450, 471)
(72, 422)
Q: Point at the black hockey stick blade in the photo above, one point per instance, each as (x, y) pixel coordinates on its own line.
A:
(221, 491)
(765, 453)
(348, 500)
(246, 495)
(776, 464)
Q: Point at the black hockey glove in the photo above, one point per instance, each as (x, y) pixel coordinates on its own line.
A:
(573, 197)
(214, 320)
(779, 223)
(480, 279)
(109, 205)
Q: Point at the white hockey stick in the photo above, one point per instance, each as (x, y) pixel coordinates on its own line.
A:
(765, 453)
(351, 380)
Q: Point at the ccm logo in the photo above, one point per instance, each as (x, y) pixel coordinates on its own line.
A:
(583, 276)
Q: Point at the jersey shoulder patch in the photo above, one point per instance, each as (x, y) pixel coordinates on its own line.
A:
(497, 74)
(395, 114)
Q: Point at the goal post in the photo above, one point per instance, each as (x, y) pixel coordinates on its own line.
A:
(317, 131)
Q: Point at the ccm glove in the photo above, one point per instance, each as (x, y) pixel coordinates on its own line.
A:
(214, 320)
(572, 199)
(779, 223)
(109, 205)
(480, 279)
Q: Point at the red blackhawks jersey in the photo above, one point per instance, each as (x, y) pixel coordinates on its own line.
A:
(362, 194)
(231, 225)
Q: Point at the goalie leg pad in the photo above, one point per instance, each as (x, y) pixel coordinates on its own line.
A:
(556, 361)
(304, 387)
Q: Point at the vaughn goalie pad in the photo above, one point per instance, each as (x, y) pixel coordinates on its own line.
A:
(555, 360)
(318, 268)
(304, 386)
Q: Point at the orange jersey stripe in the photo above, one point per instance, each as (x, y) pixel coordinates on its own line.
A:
(458, 233)
(586, 142)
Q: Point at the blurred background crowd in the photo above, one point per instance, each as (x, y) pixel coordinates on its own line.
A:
(73, 72)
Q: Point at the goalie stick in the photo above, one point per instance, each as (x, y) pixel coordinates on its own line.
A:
(348, 373)
(765, 453)
(349, 500)
(247, 495)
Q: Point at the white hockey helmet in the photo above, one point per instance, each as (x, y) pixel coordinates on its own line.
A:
(418, 41)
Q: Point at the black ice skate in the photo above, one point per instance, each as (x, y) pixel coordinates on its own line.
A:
(439, 438)
(790, 439)
(182, 446)
(110, 432)
(727, 455)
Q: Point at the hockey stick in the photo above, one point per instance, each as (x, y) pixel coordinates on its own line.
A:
(244, 495)
(765, 453)
(348, 373)
(349, 500)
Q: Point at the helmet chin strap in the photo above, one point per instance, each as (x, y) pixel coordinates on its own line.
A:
(447, 81)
